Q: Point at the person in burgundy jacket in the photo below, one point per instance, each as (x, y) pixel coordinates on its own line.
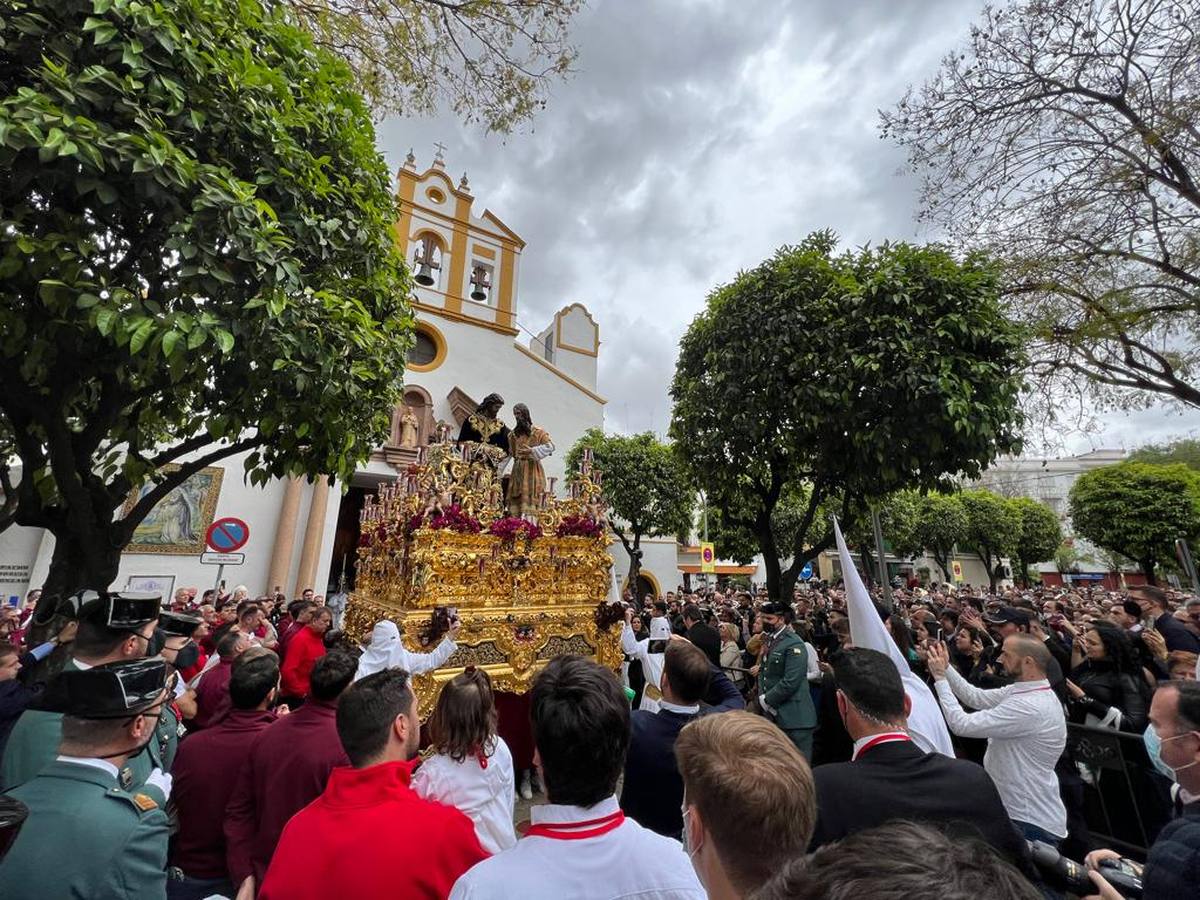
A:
(287, 768)
(303, 650)
(205, 774)
(369, 835)
(212, 693)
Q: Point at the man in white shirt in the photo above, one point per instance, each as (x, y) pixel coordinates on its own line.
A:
(580, 844)
(1026, 730)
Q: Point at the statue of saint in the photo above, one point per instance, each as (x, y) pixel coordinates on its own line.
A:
(528, 445)
(482, 426)
(408, 428)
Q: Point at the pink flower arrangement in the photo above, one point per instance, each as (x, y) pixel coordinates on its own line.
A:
(454, 519)
(367, 538)
(578, 526)
(510, 528)
(413, 524)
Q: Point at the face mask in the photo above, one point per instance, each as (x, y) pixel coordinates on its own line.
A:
(687, 846)
(1154, 750)
(187, 655)
(156, 642)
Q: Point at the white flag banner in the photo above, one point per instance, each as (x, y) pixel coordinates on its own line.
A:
(925, 723)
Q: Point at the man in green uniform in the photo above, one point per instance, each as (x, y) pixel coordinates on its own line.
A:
(86, 837)
(112, 628)
(783, 682)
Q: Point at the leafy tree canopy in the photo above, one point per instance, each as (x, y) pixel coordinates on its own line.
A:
(645, 484)
(856, 374)
(196, 259)
(489, 60)
(993, 528)
(1040, 533)
(1062, 137)
(1186, 451)
(1137, 510)
(938, 522)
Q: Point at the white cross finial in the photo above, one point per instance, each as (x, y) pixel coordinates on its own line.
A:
(441, 148)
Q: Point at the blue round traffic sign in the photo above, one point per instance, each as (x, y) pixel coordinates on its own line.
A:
(227, 534)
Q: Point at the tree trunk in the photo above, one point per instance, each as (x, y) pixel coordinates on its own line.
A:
(72, 569)
(868, 561)
(989, 568)
(1147, 567)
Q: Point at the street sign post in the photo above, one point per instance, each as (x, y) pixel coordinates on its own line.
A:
(807, 572)
(224, 536)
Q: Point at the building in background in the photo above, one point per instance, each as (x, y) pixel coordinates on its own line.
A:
(469, 343)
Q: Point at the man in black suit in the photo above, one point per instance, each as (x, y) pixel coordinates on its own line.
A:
(889, 777)
(703, 636)
(653, 791)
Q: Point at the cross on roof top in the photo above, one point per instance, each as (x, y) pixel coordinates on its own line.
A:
(441, 148)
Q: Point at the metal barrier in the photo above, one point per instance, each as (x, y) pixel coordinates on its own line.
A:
(1126, 803)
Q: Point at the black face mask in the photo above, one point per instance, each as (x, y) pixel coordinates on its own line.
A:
(156, 642)
(187, 655)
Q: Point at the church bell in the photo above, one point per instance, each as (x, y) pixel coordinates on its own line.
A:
(425, 262)
(479, 283)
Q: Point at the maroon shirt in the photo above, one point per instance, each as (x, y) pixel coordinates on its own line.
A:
(205, 775)
(212, 696)
(288, 767)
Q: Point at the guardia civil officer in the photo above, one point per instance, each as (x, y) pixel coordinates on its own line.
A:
(113, 627)
(783, 680)
(87, 837)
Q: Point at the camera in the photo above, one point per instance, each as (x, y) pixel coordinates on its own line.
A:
(1067, 875)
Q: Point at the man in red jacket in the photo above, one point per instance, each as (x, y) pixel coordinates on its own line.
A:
(204, 775)
(287, 768)
(212, 693)
(369, 835)
(303, 651)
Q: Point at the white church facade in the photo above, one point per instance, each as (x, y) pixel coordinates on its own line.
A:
(468, 344)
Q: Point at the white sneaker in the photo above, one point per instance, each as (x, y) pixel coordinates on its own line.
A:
(526, 789)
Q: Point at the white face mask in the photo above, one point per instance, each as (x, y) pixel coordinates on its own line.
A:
(687, 846)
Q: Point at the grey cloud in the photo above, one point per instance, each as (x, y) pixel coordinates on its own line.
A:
(693, 140)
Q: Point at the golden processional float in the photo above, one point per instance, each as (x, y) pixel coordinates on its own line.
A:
(437, 542)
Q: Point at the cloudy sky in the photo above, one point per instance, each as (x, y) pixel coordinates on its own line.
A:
(693, 139)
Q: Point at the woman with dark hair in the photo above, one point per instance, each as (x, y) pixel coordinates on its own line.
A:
(471, 768)
(1106, 685)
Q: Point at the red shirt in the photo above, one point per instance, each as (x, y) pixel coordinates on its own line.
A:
(212, 696)
(304, 649)
(370, 836)
(205, 774)
(287, 768)
(192, 671)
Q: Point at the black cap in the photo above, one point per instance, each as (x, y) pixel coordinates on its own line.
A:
(175, 624)
(120, 610)
(111, 691)
(1006, 614)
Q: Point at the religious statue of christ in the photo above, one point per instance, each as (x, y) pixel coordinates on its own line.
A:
(482, 426)
(528, 445)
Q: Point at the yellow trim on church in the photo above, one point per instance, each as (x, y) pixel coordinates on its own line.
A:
(559, 372)
(440, 348)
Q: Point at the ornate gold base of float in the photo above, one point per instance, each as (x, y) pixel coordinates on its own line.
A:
(522, 600)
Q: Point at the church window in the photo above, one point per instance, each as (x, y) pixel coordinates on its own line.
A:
(424, 351)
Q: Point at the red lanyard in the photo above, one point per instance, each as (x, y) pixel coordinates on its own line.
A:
(577, 831)
(882, 739)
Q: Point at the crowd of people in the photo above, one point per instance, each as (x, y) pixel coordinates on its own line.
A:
(238, 747)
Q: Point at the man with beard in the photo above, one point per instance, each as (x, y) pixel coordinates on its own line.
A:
(369, 835)
(482, 426)
(1026, 730)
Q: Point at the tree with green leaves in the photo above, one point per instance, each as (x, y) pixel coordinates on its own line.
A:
(1039, 537)
(896, 513)
(938, 524)
(1186, 451)
(196, 261)
(853, 375)
(1138, 510)
(488, 60)
(646, 486)
(993, 529)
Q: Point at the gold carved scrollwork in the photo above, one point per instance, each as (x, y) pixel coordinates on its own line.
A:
(521, 602)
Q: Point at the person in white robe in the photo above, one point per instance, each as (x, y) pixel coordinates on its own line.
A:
(387, 651)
